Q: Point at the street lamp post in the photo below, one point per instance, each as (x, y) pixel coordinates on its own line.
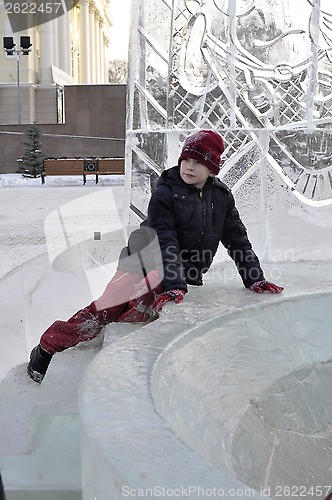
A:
(9, 46)
(18, 86)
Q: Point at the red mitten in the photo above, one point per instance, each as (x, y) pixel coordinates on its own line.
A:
(265, 286)
(177, 295)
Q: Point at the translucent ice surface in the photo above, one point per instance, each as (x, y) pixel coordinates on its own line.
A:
(241, 386)
(253, 394)
(258, 72)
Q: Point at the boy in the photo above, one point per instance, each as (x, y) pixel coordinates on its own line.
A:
(189, 214)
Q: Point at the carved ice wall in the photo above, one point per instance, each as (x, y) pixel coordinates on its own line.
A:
(259, 72)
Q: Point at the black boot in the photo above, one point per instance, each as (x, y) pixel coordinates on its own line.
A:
(39, 361)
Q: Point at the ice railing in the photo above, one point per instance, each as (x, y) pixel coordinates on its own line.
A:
(257, 72)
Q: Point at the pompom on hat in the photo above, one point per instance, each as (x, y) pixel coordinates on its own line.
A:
(206, 147)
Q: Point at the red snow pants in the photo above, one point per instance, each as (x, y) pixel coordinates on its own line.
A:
(126, 299)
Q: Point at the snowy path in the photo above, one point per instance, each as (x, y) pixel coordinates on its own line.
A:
(23, 212)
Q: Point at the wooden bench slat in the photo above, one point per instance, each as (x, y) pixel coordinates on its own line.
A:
(67, 162)
(114, 166)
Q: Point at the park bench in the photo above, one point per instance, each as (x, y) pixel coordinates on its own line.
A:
(110, 166)
(83, 167)
(61, 166)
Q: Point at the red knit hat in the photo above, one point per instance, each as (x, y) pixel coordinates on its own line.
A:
(206, 147)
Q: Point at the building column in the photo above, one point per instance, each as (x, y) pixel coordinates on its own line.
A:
(85, 42)
(92, 48)
(101, 45)
(103, 61)
(106, 59)
(63, 28)
(97, 41)
(55, 44)
(46, 51)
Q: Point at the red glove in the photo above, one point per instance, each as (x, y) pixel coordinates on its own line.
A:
(177, 295)
(265, 286)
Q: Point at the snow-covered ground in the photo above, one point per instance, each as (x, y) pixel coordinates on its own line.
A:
(23, 211)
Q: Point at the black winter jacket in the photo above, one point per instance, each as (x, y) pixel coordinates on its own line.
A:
(189, 224)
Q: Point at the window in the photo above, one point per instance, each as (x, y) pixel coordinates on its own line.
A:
(60, 105)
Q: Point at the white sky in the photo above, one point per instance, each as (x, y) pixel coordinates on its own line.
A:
(119, 33)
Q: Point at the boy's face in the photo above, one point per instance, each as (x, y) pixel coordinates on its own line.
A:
(194, 173)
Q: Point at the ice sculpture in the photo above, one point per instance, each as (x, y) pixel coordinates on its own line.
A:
(259, 72)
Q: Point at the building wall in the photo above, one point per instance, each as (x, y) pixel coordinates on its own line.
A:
(94, 126)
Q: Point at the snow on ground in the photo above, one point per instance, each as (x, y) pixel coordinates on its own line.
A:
(25, 203)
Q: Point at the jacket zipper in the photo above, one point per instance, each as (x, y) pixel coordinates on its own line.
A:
(204, 219)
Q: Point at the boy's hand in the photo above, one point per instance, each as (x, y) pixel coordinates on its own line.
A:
(265, 286)
(176, 294)
(150, 282)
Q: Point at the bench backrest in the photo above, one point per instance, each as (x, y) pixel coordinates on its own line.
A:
(115, 166)
(63, 167)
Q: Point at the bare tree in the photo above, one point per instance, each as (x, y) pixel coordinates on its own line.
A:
(117, 71)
